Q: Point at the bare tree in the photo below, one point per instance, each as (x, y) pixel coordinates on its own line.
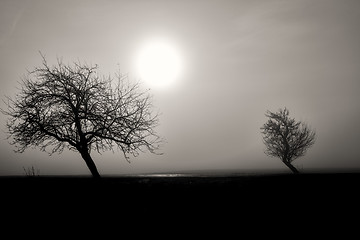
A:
(71, 106)
(286, 138)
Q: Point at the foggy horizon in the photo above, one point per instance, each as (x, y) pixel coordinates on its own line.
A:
(238, 60)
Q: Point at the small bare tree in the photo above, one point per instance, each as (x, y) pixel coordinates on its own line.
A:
(70, 106)
(286, 138)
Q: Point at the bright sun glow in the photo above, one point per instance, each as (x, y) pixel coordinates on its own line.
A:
(158, 63)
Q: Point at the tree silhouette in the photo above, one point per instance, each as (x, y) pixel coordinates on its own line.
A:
(71, 106)
(286, 138)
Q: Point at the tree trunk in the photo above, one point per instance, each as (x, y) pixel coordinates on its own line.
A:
(292, 168)
(90, 163)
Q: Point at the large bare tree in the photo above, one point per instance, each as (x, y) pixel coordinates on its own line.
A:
(286, 138)
(71, 106)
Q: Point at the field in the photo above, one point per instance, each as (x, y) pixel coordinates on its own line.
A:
(312, 198)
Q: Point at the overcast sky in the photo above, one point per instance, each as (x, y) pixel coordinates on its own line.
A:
(241, 58)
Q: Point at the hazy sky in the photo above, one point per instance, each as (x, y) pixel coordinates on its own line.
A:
(241, 58)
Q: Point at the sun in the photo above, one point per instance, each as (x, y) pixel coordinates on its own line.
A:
(158, 63)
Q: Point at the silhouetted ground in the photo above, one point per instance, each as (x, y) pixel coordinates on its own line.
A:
(276, 199)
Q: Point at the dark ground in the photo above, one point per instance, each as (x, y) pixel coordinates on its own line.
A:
(282, 200)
